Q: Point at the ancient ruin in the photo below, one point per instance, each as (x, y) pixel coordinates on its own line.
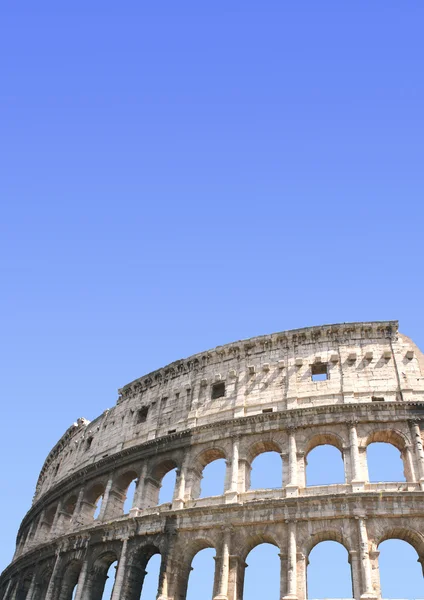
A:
(347, 385)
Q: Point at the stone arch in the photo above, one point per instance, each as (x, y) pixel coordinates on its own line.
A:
(42, 581)
(252, 542)
(70, 504)
(414, 538)
(324, 438)
(204, 458)
(325, 535)
(388, 436)
(23, 587)
(255, 450)
(153, 480)
(396, 439)
(139, 558)
(407, 534)
(97, 576)
(48, 518)
(119, 493)
(336, 536)
(256, 539)
(69, 578)
(91, 499)
(68, 509)
(190, 552)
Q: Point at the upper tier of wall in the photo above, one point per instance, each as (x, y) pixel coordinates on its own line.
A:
(272, 372)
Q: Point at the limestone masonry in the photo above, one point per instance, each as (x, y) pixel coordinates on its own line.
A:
(233, 402)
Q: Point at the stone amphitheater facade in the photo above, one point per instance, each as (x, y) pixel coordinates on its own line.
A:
(233, 402)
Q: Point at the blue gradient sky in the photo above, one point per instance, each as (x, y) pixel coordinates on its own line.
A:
(176, 176)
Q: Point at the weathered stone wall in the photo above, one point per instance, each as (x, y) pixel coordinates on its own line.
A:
(234, 402)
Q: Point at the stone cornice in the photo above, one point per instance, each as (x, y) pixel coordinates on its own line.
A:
(362, 412)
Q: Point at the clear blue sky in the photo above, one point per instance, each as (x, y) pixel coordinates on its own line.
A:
(177, 175)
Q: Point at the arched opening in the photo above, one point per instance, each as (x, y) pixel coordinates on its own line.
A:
(201, 578)
(69, 580)
(207, 477)
(98, 507)
(213, 478)
(329, 573)
(267, 471)
(43, 583)
(49, 518)
(262, 575)
(324, 466)
(151, 579)
(68, 510)
(167, 488)
(109, 581)
(129, 499)
(122, 500)
(401, 575)
(159, 485)
(384, 462)
(23, 588)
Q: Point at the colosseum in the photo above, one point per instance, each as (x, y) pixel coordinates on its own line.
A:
(346, 385)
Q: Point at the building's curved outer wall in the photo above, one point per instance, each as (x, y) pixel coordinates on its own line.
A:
(167, 419)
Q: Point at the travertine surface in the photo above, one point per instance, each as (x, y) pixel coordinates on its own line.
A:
(233, 402)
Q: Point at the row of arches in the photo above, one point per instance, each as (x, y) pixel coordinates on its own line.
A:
(210, 473)
(324, 467)
(328, 574)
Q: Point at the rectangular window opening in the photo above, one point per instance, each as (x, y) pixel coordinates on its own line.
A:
(319, 371)
(172, 430)
(377, 399)
(218, 390)
(267, 410)
(142, 415)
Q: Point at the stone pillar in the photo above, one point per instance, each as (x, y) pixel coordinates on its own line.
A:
(81, 580)
(408, 464)
(302, 564)
(139, 493)
(355, 476)
(367, 590)
(355, 573)
(105, 500)
(283, 575)
(375, 572)
(76, 517)
(120, 572)
(55, 530)
(178, 500)
(51, 593)
(231, 493)
(222, 568)
(235, 578)
(6, 593)
(31, 589)
(419, 452)
(291, 572)
(292, 487)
